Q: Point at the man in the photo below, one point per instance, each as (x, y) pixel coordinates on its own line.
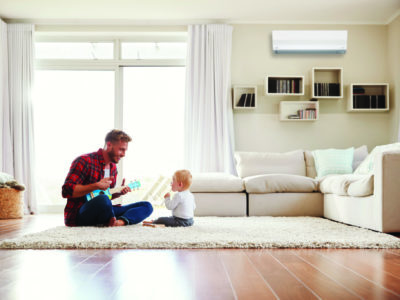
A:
(98, 171)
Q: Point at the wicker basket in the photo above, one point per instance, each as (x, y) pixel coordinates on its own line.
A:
(11, 204)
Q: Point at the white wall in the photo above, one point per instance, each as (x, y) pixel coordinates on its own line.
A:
(394, 72)
(260, 129)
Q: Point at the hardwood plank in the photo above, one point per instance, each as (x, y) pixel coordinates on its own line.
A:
(42, 275)
(28, 224)
(371, 267)
(278, 277)
(352, 281)
(321, 284)
(181, 274)
(247, 282)
(394, 251)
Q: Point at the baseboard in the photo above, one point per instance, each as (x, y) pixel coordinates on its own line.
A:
(51, 209)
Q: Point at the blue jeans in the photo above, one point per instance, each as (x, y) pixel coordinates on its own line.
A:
(174, 222)
(100, 210)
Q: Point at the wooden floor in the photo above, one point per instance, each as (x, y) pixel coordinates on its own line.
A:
(192, 274)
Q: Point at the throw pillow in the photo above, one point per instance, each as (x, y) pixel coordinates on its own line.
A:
(259, 163)
(333, 161)
(360, 154)
(367, 166)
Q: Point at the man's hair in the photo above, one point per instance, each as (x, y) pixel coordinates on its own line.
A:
(185, 177)
(116, 135)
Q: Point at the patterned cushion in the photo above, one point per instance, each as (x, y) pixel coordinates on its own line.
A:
(360, 154)
(333, 161)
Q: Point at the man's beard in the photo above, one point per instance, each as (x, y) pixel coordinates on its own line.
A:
(113, 156)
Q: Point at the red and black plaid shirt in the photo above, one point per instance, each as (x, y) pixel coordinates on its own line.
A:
(86, 169)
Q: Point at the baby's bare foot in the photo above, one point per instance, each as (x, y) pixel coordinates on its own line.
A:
(119, 223)
(112, 221)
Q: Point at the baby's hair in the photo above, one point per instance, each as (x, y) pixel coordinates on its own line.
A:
(185, 177)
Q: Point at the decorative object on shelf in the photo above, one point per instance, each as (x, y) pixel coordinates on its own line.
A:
(368, 97)
(299, 110)
(284, 85)
(327, 82)
(244, 97)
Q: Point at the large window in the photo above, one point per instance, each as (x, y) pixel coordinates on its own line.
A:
(88, 88)
(153, 115)
(72, 112)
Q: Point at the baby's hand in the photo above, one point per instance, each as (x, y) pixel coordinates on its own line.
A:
(167, 195)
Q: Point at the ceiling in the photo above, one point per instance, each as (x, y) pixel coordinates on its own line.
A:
(179, 12)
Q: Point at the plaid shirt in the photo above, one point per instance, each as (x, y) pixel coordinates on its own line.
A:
(85, 169)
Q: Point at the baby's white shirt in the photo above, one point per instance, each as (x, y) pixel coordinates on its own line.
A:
(182, 204)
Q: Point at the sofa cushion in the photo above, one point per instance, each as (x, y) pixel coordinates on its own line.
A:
(361, 185)
(333, 161)
(360, 154)
(216, 182)
(280, 183)
(367, 166)
(260, 163)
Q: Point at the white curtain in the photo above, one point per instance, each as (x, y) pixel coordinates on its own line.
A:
(209, 138)
(6, 163)
(17, 114)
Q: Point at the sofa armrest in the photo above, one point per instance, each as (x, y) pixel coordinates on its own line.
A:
(387, 189)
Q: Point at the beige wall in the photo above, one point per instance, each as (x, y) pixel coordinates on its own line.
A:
(394, 74)
(365, 61)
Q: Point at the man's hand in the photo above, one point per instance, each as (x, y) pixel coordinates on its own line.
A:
(104, 183)
(81, 190)
(125, 189)
(167, 195)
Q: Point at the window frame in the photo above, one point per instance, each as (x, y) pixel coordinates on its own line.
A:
(116, 64)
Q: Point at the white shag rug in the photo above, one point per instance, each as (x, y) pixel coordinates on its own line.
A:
(212, 232)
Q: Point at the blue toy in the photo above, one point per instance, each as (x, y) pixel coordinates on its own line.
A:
(133, 185)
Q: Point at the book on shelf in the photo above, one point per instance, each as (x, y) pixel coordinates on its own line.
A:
(358, 90)
(326, 89)
(246, 100)
(283, 86)
(252, 100)
(242, 100)
(307, 114)
(369, 101)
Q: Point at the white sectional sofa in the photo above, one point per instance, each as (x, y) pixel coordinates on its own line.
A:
(219, 194)
(284, 184)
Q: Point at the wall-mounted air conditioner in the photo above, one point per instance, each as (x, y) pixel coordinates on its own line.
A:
(309, 41)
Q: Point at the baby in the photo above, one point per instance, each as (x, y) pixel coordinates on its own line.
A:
(182, 203)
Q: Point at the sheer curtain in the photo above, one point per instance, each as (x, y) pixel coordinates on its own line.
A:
(209, 139)
(5, 138)
(17, 115)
